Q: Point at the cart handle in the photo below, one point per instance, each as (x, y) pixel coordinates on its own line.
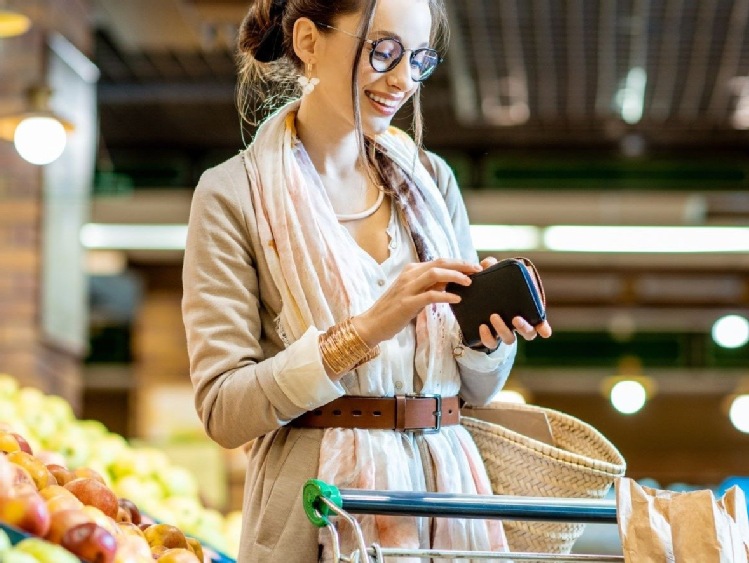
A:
(549, 509)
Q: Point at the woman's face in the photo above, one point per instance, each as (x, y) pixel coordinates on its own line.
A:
(381, 94)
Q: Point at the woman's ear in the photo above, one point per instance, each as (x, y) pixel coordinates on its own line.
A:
(305, 39)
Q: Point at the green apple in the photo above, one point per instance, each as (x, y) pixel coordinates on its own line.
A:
(106, 449)
(178, 482)
(4, 541)
(72, 444)
(45, 552)
(8, 385)
(59, 409)
(94, 429)
(15, 556)
(130, 461)
(186, 512)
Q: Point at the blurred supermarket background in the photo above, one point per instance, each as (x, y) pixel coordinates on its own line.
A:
(606, 140)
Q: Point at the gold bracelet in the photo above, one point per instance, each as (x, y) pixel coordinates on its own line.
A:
(343, 349)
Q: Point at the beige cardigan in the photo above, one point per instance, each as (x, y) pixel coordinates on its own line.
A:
(228, 308)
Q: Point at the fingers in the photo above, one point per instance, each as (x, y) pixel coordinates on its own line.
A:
(529, 332)
(488, 261)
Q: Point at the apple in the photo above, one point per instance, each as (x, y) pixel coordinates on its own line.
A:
(8, 385)
(45, 552)
(4, 541)
(130, 529)
(48, 457)
(26, 511)
(91, 542)
(131, 508)
(59, 502)
(58, 409)
(23, 443)
(14, 556)
(61, 473)
(92, 492)
(106, 449)
(38, 471)
(133, 550)
(98, 517)
(89, 473)
(72, 444)
(178, 555)
(8, 442)
(196, 547)
(165, 535)
(178, 482)
(62, 520)
(186, 511)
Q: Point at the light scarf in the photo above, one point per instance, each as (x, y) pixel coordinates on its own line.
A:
(309, 260)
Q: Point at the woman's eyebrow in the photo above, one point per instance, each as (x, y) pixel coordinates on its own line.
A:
(380, 33)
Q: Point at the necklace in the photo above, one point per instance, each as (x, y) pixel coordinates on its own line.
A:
(343, 217)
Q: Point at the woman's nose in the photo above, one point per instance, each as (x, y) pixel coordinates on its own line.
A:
(400, 75)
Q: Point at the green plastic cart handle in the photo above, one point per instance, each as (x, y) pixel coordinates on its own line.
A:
(317, 511)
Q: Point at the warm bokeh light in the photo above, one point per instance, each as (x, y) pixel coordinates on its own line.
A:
(731, 331)
(628, 396)
(40, 140)
(739, 413)
(13, 23)
(509, 396)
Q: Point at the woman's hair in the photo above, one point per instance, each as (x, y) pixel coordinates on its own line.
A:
(268, 66)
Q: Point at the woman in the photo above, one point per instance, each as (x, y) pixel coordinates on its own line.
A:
(315, 273)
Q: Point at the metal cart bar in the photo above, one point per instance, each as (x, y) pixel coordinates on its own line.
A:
(478, 506)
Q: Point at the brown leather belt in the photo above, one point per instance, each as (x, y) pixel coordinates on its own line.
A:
(402, 412)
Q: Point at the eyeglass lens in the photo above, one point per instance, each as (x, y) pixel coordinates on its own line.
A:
(387, 53)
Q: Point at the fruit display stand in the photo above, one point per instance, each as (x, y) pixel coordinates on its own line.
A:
(16, 536)
(56, 457)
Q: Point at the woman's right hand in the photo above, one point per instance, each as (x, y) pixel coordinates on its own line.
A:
(417, 286)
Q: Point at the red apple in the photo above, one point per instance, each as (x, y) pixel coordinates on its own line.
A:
(41, 476)
(131, 508)
(62, 520)
(23, 443)
(94, 493)
(61, 474)
(26, 510)
(87, 472)
(90, 542)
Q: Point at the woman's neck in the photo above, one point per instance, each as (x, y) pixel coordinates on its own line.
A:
(332, 147)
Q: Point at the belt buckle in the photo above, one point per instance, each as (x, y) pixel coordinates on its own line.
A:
(437, 413)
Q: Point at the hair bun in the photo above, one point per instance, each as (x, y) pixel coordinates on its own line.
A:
(261, 33)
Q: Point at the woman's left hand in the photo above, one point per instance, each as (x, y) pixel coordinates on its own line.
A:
(503, 332)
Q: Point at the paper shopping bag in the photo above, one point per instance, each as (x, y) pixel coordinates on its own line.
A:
(658, 526)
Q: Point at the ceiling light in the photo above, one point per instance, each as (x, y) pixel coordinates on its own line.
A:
(505, 237)
(568, 238)
(13, 23)
(739, 413)
(96, 236)
(628, 396)
(731, 331)
(39, 135)
(40, 139)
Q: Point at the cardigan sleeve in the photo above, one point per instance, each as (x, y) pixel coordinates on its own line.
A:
(239, 393)
(482, 375)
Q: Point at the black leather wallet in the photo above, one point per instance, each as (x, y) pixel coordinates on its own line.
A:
(511, 288)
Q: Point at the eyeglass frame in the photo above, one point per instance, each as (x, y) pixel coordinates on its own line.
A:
(374, 42)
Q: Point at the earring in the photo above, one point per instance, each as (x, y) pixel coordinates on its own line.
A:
(307, 82)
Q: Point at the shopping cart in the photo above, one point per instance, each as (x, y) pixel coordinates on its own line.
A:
(322, 500)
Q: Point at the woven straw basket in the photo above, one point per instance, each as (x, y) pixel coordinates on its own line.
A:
(584, 464)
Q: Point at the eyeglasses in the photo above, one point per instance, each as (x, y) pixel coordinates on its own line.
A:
(386, 53)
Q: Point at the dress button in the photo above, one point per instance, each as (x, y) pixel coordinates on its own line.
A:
(380, 282)
(399, 385)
